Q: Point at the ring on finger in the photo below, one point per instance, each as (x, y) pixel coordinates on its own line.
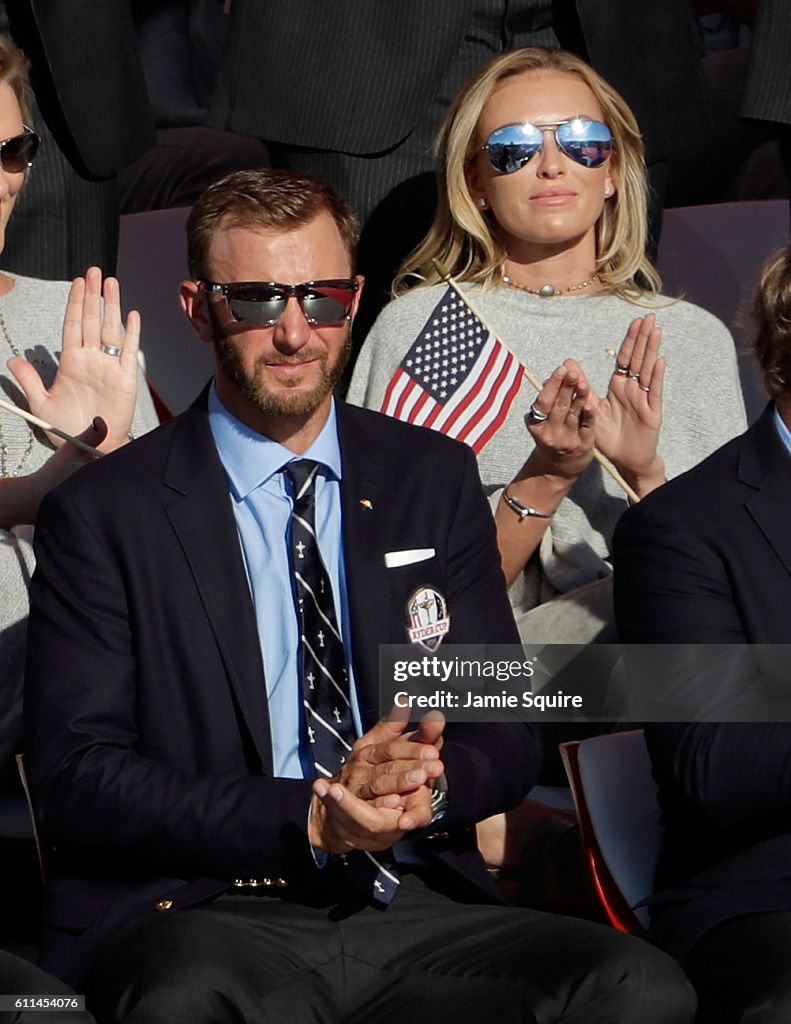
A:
(111, 350)
(644, 387)
(537, 414)
(622, 371)
(634, 376)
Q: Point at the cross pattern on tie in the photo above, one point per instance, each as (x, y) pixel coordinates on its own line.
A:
(325, 681)
(325, 684)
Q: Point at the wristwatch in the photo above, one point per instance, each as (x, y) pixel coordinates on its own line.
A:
(439, 800)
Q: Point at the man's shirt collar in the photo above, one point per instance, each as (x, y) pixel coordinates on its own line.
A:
(782, 429)
(250, 458)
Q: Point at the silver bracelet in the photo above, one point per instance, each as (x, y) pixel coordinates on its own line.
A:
(523, 511)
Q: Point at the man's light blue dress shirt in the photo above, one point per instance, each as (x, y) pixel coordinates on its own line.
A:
(783, 431)
(262, 502)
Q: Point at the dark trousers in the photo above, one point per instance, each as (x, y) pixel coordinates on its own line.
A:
(741, 971)
(426, 957)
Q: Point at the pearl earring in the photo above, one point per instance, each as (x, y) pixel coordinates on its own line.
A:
(482, 203)
(607, 191)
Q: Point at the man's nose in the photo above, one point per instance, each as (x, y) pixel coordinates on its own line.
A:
(292, 330)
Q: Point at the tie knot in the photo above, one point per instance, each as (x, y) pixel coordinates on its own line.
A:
(303, 475)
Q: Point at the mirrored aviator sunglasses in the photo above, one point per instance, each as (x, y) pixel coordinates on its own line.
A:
(19, 152)
(262, 303)
(587, 142)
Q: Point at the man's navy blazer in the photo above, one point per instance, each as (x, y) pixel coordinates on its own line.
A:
(704, 564)
(149, 735)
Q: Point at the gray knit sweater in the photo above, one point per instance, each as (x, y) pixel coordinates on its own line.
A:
(33, 315)
(703, 404)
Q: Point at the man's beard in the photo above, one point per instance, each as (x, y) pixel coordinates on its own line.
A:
(298, 402)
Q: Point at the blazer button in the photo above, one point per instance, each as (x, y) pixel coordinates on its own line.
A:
(163, 905)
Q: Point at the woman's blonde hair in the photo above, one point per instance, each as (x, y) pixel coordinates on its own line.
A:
(14, 68)
(771, 315)
(464, 238)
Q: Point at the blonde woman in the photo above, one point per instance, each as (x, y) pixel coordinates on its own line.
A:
(542, 221)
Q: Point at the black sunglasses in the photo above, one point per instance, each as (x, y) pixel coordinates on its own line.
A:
(262, 303)
(587, 142)
(19, 152)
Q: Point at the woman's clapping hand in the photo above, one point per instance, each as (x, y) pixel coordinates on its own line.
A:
(98, 369)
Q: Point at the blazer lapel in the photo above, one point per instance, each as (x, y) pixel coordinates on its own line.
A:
(204, 523)
(765, 466)
(367, 483)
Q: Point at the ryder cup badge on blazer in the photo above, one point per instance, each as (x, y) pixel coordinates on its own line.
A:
(428, 618)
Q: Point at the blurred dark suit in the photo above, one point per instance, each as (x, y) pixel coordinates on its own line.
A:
(94, 117)
(704, 563)
(359, 80)
(768, 93)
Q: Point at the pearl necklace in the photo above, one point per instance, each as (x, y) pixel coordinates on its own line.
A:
(548, 291)
(4, 459)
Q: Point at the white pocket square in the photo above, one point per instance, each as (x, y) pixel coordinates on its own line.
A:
(394, 559)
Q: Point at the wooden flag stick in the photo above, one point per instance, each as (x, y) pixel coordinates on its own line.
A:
(602, 459)
(49, 428)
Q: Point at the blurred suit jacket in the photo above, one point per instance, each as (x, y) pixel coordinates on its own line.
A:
(94, 116)
(704, 564)
(87, 77)
(357, 79)
(768, 93)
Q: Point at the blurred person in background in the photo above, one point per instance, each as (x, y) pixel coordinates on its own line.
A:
(703, 568)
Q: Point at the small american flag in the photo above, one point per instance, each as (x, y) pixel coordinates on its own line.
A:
(456, 378)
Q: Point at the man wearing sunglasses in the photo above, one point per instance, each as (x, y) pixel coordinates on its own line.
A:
(239, 835)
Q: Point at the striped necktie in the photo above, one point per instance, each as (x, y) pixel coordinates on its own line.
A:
(325, 682)
(323, 671)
